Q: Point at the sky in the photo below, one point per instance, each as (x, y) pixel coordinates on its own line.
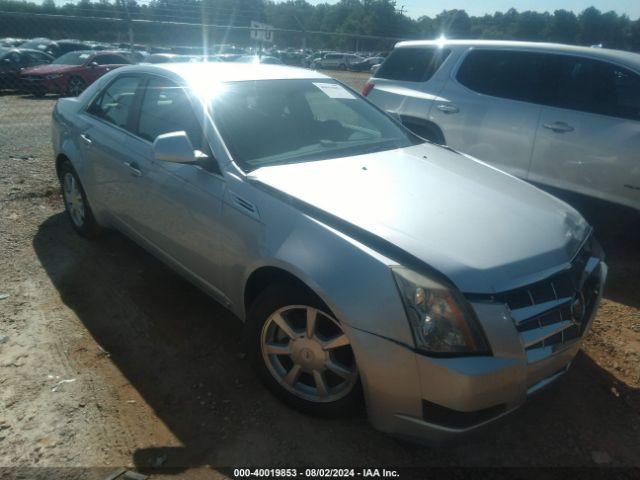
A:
(417, 8)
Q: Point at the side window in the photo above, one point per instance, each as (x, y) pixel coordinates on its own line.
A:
(598, 87)
(114, 104)
(508, 74)
(166, 108)
(109, 60)
(412, 64)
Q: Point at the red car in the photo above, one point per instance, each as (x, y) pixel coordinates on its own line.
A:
(71, 73)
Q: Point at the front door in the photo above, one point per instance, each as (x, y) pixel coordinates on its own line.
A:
(179, 209)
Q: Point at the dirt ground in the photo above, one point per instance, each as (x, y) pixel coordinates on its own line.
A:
(108, 359)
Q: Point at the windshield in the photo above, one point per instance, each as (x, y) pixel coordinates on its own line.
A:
(72, 58)
(257, 120)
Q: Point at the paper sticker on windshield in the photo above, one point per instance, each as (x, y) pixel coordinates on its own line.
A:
(333, 90)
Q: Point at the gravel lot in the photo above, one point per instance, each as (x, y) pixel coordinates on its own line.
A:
(108, 359)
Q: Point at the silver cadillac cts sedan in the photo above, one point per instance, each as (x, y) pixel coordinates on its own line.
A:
(366, 263)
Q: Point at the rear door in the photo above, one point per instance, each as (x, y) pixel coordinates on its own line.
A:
(588, 140)
(106, 142)
(489, 107)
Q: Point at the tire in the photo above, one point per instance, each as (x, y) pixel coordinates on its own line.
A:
(39, 93)
(75, 202)
(315, 389)
(342, 66)
(75, 86)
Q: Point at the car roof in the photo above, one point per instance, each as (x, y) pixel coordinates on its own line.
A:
(628, 58)
(220, 72)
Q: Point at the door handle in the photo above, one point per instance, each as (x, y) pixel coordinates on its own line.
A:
(558, 127)
(86, 138)
(447, 108)
(135, 170)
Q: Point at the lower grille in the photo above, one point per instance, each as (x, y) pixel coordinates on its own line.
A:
(556, 311)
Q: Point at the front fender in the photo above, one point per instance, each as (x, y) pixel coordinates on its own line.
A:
(354, 281)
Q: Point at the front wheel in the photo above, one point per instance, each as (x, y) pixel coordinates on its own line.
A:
(301, 352)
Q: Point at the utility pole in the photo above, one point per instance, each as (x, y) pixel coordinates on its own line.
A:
(304, 32)
(402, 10)
(127, 16)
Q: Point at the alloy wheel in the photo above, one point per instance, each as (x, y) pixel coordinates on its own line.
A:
(76, 87)
(73, 199)
(308, 354)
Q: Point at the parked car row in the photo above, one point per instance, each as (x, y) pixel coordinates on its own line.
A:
(54, 48)
(342, 61)
(38, 73)
(71, 73)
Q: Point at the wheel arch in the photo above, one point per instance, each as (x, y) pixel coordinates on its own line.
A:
(266, 275)
(60, 159)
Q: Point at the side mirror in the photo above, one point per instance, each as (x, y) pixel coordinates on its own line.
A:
(94, 64)
(374, 69)
(174, 147)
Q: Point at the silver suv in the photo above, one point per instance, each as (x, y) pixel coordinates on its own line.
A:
(561, 116)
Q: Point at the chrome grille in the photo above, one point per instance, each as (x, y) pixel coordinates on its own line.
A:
(556, 310)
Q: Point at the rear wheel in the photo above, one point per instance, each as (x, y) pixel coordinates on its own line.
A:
(75, 202)
(75, 87)
(301, 352)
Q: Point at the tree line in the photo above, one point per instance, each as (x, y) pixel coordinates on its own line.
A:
(353, 24)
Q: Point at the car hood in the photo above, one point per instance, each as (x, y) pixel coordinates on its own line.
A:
(49, 69)
(487, 231)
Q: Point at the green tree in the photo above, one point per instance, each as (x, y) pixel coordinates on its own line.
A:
(453, 24)
(562, 27)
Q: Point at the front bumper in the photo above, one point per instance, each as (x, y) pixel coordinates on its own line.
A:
(434, 400)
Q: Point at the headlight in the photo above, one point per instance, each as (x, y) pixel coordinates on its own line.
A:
(53, 76)
(441, 319)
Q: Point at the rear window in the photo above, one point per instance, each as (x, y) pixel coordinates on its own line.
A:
(412, 64)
